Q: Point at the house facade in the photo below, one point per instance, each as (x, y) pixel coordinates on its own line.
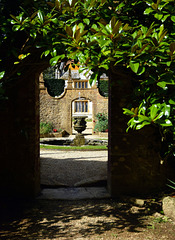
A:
(77, 99)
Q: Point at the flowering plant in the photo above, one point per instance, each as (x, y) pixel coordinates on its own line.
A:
(101, 122)
(54, 130)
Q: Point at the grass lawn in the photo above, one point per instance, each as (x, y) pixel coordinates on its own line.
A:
(84, 147)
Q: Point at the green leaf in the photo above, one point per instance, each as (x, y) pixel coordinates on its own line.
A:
(54, 60)
(33, 34)
(54, 52)
(173, 18)
(106, 53)
(46, 53)
(144, 118)
(77, 34)
(86, 20)
(40, 16)
(95, 27)
(70, 2)
(116, 28)
(17, 20)
(2, 74)
(168, 63)
(171, 102)
(55, 20)
(141, 70)
(139, 126)
(93, 78)
(44, 32)
(120, 6)
(161, 84)
(81, 26)
(128, 112)
(118, 54)
(105, 66)
(171, 181)
(131, 124)
(158, 16)
(153, 111)
(165, 17)
(148, 11)
(172, 47)
(171, 186)
(16, 27)
(113, 21)
(134, 66)
(159, 116)
(13, 22)
(90, 81)
(167, 123)
(33, 15)
(155, 6)
(69, 31)
(166, 110)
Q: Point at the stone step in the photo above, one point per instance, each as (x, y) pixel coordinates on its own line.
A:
(74, 193)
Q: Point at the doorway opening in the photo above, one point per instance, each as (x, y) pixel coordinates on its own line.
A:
(67, 168)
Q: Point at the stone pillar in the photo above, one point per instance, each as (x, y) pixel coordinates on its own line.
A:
(19, 142)
(69, 83)
(41, 83)
(135, 166)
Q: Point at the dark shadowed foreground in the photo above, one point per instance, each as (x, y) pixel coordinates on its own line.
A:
(87, 219)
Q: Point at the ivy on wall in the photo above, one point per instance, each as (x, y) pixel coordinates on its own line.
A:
(103, 87)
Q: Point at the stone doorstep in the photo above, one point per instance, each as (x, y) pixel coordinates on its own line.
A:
(74, 193)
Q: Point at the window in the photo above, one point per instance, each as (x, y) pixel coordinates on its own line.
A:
(81, 84)
(81, 106)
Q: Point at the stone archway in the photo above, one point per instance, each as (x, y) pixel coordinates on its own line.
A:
(134, 164)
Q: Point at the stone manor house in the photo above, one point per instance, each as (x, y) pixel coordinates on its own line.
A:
(78, 98)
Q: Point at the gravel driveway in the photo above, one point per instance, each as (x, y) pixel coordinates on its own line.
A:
(72, 168)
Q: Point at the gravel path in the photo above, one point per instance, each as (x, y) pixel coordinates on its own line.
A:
(107, 219)
(84, 220)
(72, 168)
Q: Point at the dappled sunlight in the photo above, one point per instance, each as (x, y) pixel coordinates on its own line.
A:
(74, 219)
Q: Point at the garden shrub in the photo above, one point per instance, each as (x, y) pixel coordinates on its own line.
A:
(103, 87)
(101, 123)
(55, 86)
(46, 127)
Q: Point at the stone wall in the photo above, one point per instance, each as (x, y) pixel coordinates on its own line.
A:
(59, 110)
(19, 142)
(135, 165)
(49, 110)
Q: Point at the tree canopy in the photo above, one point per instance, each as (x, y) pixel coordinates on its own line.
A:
(99, 34)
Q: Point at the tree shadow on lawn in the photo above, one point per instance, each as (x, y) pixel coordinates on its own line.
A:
(44, 219)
